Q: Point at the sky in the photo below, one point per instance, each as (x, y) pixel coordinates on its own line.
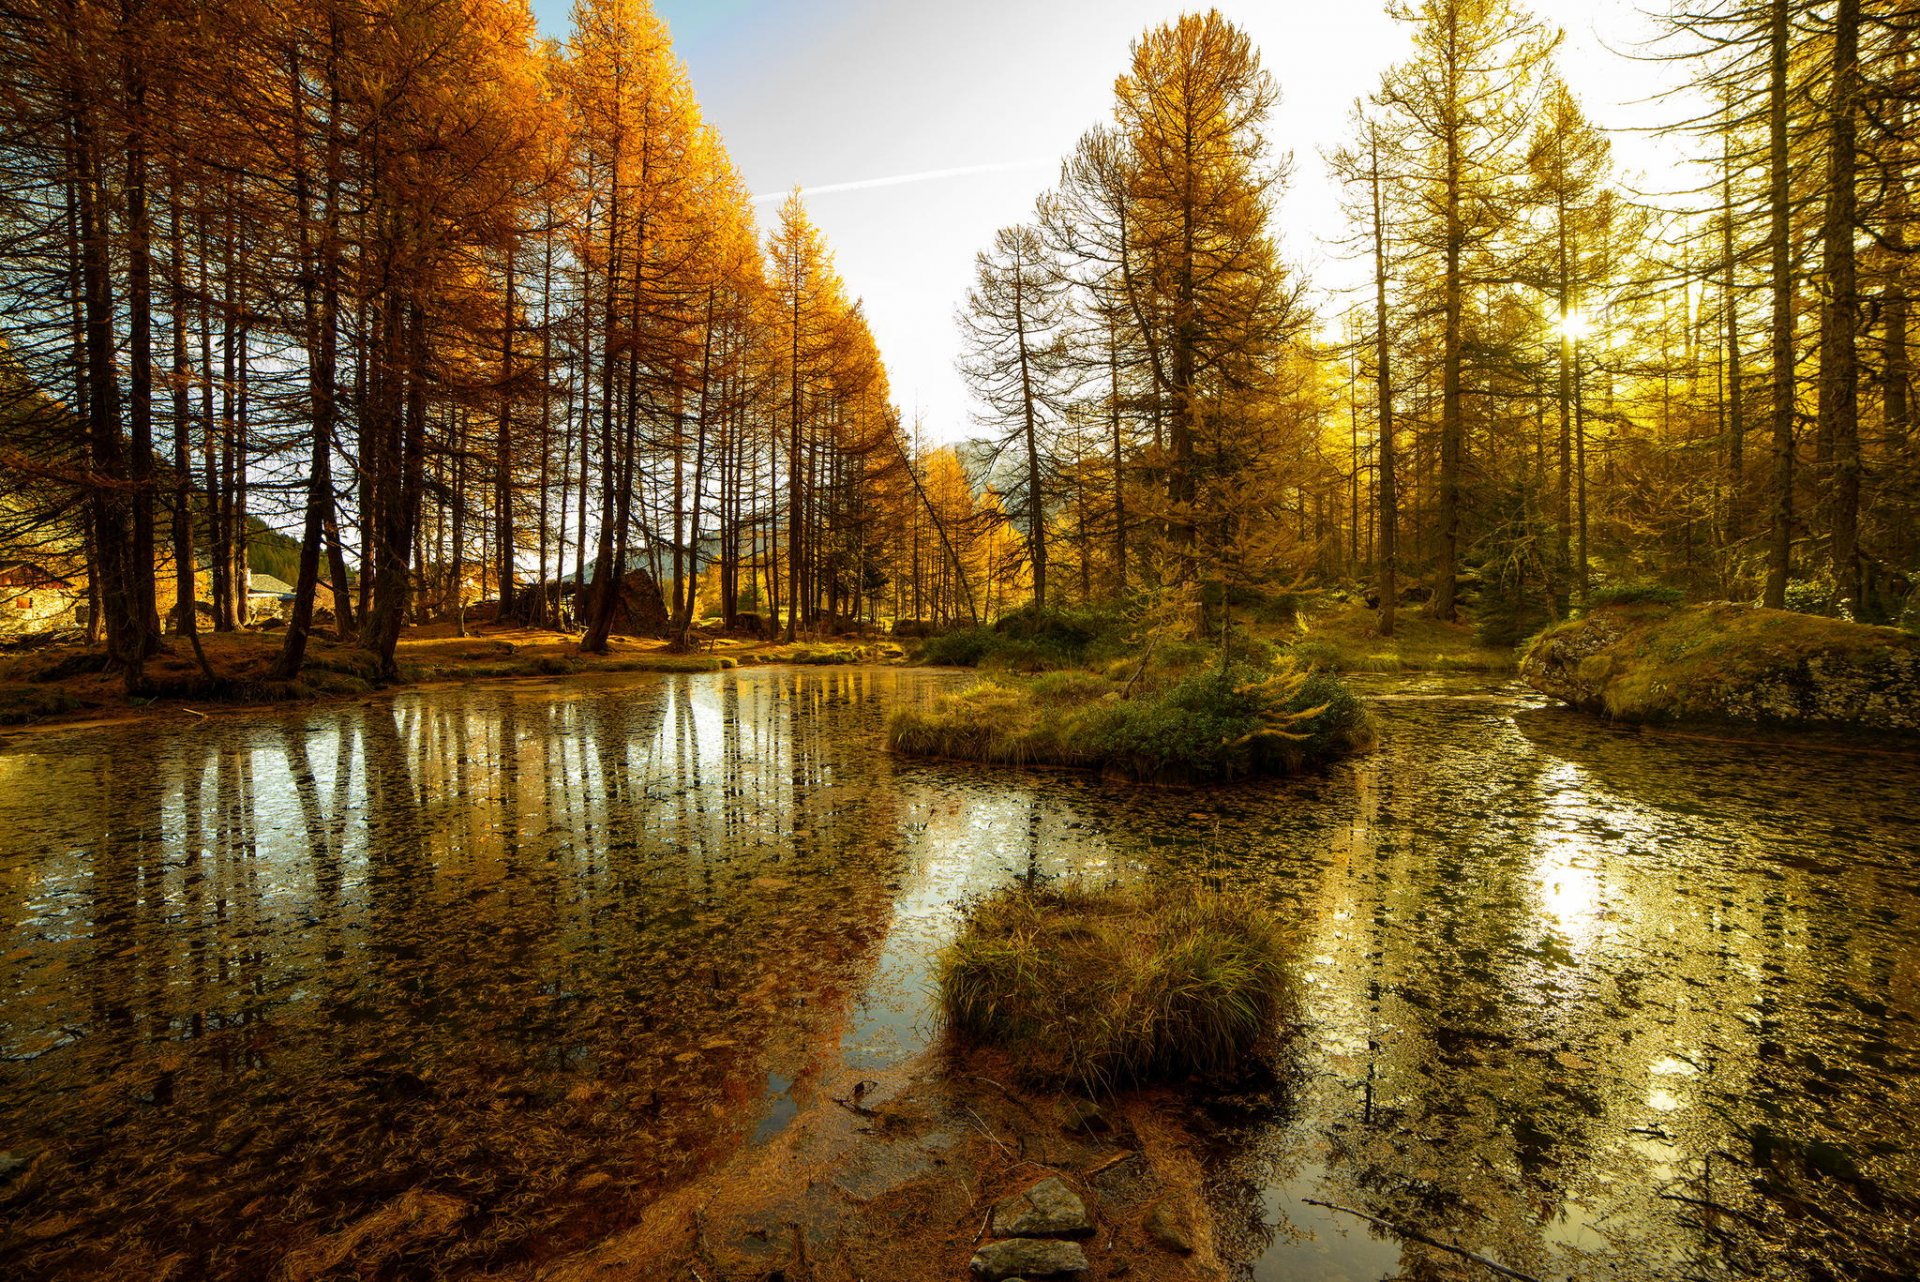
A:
(975, 102)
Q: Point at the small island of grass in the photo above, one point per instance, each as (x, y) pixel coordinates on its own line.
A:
(1207, 725)
(1097, 989)
(1137, 698)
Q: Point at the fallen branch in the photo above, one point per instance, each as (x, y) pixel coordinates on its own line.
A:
(1107, 1164)
(1414, 1235)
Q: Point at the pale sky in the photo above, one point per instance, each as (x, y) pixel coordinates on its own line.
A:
(982, 98)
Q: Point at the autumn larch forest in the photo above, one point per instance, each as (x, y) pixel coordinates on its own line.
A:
(1381, 750)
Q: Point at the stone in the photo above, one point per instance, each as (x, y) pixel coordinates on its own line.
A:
(1027, 1257)
(1048, 1209)
(1170, 1227)
(638, 611)
(1727, 662)
(1084, 1116)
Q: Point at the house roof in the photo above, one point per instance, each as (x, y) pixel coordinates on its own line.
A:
(25, 574)
(260, 584)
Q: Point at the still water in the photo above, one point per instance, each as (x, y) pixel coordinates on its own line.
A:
(497, 962)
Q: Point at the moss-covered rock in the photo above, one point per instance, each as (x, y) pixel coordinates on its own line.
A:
(1652, 662)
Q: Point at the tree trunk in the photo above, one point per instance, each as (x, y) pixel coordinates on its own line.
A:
(1780, 545)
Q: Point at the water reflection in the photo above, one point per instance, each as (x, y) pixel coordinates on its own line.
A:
(535, 949)
(1596, 1004)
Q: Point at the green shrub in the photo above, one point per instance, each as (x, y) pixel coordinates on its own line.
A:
(1101, 989)
(1030, 640)
(1505, 616)
(961, 648)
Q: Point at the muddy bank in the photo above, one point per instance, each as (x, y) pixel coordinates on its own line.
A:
(935, 1170)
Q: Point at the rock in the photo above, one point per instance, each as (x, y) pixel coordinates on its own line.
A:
(1169, 1225)
(1048, 1209)
(1026, 1257)
(1084, 1116)
(1729, 662)
(638, 611)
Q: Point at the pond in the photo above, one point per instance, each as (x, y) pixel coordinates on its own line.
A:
(1595, 1003)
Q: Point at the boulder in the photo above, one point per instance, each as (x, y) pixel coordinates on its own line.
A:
(1728, 662)
(1170, 1227)
(1028, 1257)
(640, 610)
(1048, 1209)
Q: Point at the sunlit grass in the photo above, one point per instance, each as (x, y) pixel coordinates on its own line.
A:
(1105, 988)
(1201, 725)
(1349, 640)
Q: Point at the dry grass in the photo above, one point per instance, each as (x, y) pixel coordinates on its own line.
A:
(1102, 988)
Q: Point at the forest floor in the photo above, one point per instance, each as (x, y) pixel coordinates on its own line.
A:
(1347, 639)
(64, 684)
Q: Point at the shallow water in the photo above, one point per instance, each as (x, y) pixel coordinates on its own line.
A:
(1593, 1003)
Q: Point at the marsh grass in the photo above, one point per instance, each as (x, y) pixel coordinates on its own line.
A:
(1100, 989)
(1203, 725)
(1349, 640)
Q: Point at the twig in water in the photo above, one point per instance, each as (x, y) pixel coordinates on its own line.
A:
(1011, 1097)
(1414, 1235)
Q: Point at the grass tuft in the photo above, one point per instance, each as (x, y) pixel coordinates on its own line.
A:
(1635, 594)
(1100, 989)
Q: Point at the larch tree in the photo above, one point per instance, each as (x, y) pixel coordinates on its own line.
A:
(1465, 99)
(1014, 361)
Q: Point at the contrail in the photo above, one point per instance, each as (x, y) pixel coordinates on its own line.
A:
(897, 180)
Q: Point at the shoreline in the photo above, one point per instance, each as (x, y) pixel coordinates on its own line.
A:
(438, 661)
